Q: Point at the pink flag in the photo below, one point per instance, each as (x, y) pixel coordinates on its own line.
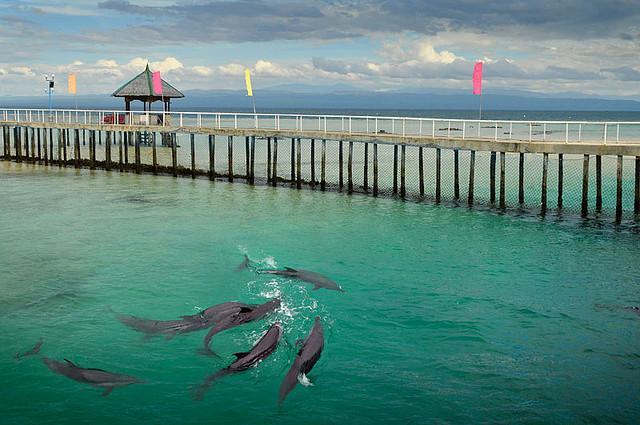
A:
(157, 83)
(477, 78)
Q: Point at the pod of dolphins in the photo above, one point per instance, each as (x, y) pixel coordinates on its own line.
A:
(216, 318)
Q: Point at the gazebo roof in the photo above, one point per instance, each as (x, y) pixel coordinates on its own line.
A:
(141, 86)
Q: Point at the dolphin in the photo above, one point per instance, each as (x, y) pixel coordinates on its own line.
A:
(191, 323)
(35, 350)
(237, 319)
(96, 377)
(305, 359)
(318, 280)
(246, 263)
(263, 348)
(634, 309)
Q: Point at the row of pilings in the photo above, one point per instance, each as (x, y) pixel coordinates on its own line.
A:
(49, 146)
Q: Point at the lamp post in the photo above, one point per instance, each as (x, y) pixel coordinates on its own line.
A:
(50, 79)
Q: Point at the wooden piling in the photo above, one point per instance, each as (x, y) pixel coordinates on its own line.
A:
(253, 159)
(299, 164)
(274, 179)
(107, 150)
(61, 141)
(598, 183)
(137, 152)
(619, 190)
(521, 179)
(27, 157)
(92, 152)
(76, 147)
(560, 180)
(293, 160)
(365, 169)
(585, 186)
(502, 180)
(456, 174)
(193, 155)
(268, 160)
(492, 178)
(403, 186)
(350, 169)
(45, 148)
(126, 147)
(438, 171)
(247, 154)
(120, 155)
(375, 169)
(51, 145)
(39, 134)
(230, 156)
(636, 203)
(313, 163)
(174, 154)
(66, 143)
(323, 165)
(17, 143)
(472, 176)
(212, 157)
(543, 196)
(421, 170)
(340, 166)
(4, 143)
(395, 169)
(154, 153)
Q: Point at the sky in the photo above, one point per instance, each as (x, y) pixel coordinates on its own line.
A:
(548, 46)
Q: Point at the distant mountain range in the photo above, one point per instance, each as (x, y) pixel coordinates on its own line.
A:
(340, 97)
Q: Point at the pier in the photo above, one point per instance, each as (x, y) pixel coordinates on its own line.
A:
(583, 168)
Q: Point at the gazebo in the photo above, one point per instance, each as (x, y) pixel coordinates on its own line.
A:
(140, 88)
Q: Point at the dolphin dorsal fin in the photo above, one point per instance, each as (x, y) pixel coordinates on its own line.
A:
(240, 355)
(289, 269)
(70, 363)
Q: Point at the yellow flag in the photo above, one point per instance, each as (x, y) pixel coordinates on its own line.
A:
(247, 78)
(72, 83)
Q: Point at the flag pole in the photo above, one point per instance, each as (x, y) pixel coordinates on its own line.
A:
(480, 118)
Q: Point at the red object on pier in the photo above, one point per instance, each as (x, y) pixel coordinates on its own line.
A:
(108, 119)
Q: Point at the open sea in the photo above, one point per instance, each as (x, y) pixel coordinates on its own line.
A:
(451, 315)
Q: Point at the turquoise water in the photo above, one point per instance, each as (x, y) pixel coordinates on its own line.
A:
(450, 315)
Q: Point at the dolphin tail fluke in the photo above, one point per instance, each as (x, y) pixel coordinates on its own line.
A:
(288, 383)
(107, 391)
(246, 263)
(198, 392)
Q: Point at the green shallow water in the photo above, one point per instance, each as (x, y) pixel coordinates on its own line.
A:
(450, 315)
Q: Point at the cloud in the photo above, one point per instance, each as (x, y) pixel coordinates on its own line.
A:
(624, 73)
(21, 70)
(263, 20)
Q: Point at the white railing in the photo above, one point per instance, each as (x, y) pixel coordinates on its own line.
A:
(498, 130)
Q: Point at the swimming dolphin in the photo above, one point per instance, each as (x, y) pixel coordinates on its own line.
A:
(305, 359)
(634, 309)
(246, 263)
(191, 323)
(318, 280)
(237, 319)
(263, 348)
(35, 350)
(96, 377)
